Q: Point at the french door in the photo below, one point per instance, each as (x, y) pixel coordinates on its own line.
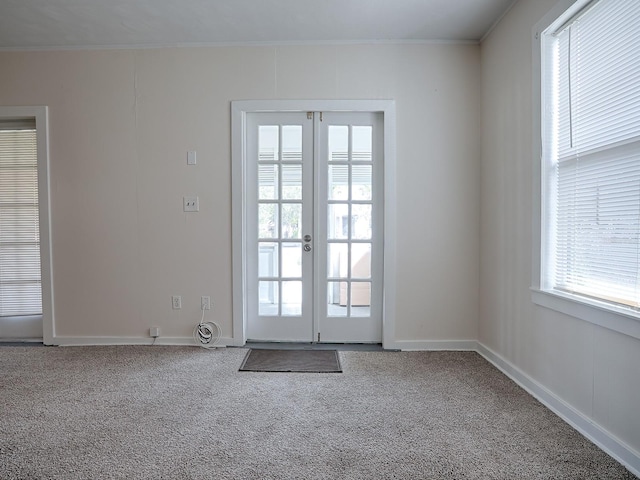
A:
(314, 226)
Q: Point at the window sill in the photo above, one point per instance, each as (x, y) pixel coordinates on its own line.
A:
(607, 316)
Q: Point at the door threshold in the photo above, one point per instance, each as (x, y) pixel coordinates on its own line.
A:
(20, 342)
(345, 347)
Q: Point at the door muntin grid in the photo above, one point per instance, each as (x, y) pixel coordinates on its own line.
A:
(280, 217)
(349, 213)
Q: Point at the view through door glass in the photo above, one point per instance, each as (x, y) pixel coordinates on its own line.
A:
(280, 220)
(349, 214)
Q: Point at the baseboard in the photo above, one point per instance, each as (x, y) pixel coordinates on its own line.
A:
(423, 345)
(405, 345)
(78, 341)
(583, 424)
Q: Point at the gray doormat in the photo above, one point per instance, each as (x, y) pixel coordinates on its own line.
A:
(312, 361)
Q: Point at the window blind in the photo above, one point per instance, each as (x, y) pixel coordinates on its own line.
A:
(593, 147)
(20, 277)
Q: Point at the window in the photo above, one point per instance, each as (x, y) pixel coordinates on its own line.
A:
(590, 140)
(20, 279)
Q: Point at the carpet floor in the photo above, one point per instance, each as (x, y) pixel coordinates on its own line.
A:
(187, 413)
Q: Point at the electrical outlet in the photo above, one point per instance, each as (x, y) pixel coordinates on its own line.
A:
(205, 303)
(154, 332)
(191, 203)
(176, 302)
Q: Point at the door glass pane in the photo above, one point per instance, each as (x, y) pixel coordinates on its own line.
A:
(338, 182)
(348, 171)
(292, 298)
(268, 298)
(268, 182)
(292, 182)
(292, 260)
(337, 260)
(268, 220)
(338, 221)
(292, 143)
(268, 142)
(268, 259)
(338, 143)
(360, 299)
(361, 260)
(361, 222)
(361, 182)
(291, 220)
(362, 143)
(337, 299)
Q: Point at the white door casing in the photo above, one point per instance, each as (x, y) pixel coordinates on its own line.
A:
(41, 326)
(363, 287)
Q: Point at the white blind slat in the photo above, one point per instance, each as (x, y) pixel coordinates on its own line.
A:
(592, 142)
(20, 277)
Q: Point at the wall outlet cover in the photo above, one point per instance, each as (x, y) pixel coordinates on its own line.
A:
(176, 302)
(191, 203)
(205, 302)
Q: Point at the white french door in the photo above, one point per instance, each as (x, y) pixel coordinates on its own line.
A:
(279, 216)
(314, 226)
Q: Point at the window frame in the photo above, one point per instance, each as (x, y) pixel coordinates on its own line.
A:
(40, 115)
(593, 311)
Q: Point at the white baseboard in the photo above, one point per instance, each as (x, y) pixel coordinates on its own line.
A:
(583, 424)
(77, 341)
(426, 345)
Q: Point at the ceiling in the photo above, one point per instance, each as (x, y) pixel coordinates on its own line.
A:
(32, 24)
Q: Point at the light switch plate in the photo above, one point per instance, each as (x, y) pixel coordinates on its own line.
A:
(191, 158)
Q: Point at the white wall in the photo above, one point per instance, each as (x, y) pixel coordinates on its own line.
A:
(121, 122)
(594, 370)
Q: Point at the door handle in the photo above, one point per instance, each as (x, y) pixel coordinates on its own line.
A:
(307, 247)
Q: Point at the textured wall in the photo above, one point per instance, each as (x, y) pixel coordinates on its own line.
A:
(121, 122)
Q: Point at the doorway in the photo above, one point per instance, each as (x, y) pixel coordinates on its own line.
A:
(313, 226)
(26, 300)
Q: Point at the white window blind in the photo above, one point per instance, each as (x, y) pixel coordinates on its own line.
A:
(20, 277)
(591, 148)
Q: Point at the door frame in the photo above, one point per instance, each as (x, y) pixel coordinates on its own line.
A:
(40, 114)
(239, 111)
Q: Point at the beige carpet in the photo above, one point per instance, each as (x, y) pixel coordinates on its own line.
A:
(187, 413)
